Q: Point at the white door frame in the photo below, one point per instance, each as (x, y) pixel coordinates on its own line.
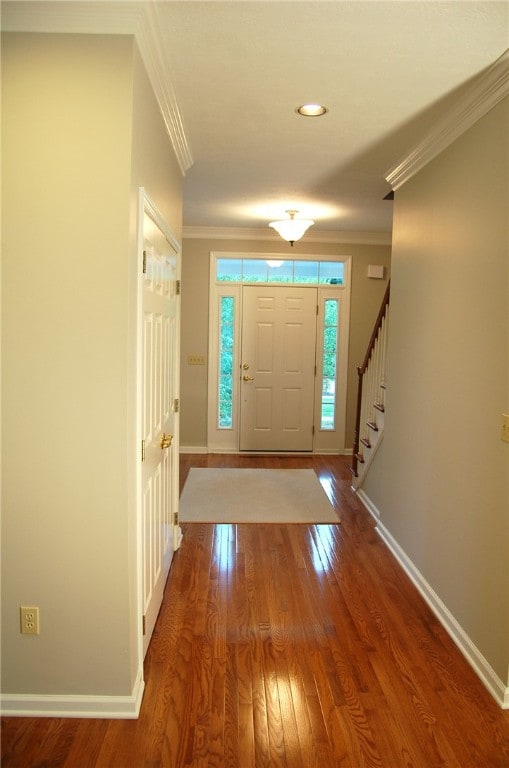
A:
(222, 440)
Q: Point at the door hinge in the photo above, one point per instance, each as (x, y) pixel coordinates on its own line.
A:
(176, 405)
(144, 624)
(178, 288)
(143, 450)
(317, 309)
(175, 518)
(313, 429)
(144, 262)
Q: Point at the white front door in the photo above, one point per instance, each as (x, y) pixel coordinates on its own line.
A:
(160, 377)
(277, 368)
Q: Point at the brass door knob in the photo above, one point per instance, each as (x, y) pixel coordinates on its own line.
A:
(245, 366)
(248, 378)
(166, 440)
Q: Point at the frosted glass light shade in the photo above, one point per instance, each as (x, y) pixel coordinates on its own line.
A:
(291, 229)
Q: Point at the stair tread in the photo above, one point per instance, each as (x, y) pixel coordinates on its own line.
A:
(379, 406)
(372, 425)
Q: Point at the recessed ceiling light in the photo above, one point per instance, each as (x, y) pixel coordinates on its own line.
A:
(312, 110)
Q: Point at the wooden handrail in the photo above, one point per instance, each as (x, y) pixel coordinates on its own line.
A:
(361, 370)
(376, 330)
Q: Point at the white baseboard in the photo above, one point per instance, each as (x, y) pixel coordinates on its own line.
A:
(374, 512)
(105, 707)
(472, 654)
(215, 449)
(177, 537)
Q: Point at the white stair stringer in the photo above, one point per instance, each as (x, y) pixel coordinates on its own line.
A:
(375, 438)
(372, 385)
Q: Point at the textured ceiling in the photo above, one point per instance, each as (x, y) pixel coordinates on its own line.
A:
(237, 71)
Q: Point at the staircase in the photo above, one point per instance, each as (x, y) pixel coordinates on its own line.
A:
(370, 414)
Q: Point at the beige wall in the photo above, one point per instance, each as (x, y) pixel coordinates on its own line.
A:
(366, 297)
(74, 150)
(441, 478)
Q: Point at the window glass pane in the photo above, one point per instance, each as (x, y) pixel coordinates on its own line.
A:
(328, 400)
(254, 271)
(329, 365)
(226, 363)
(225, 402)
(225, 377)
(306, 272)
(331, 312)
(332, 272)
(280, 272)
(329, 339)
(229, 270)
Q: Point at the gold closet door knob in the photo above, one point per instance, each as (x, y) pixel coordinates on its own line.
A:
(246, 366)
(166, 440)
(248, 378)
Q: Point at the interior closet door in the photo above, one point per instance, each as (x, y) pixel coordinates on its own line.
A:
(160, 375)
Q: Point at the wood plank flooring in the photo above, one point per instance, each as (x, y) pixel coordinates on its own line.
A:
(287, 646)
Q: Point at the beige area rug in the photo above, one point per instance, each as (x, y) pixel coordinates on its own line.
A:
(255, 496)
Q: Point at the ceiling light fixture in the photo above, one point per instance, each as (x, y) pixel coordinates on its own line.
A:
(291, 229)
(312, 110)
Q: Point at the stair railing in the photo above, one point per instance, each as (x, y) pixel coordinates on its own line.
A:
(371, 383)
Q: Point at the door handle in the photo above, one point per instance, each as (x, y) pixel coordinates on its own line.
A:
(248, 378)
(245, 366)
(166, 440)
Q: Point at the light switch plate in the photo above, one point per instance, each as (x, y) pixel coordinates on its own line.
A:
(196, 359)
(504, 432)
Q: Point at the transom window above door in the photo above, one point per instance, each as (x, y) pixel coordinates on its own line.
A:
(275, 270)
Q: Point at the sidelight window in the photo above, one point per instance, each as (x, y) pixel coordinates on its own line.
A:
(225, 367)
(329, 364)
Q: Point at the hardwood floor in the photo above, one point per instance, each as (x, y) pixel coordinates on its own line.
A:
(295, 646)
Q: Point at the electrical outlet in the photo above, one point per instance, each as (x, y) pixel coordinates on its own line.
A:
(29, 617)
(504, 432)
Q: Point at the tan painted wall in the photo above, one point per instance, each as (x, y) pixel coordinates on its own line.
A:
(366, 297)
(70, 169)
(441, 478)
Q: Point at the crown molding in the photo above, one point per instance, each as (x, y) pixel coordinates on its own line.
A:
(485, 94)
(259, 233)
(154, 57)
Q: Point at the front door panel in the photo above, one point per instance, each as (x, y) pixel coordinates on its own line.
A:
(278, 368)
